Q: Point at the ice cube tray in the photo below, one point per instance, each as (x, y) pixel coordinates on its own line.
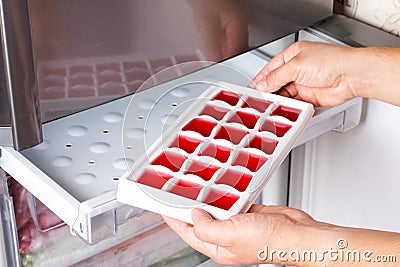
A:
(218, 155)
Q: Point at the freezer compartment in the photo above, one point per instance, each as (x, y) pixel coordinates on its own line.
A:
(9, 255)
(31, 216)
(45, 240)
(75, 170)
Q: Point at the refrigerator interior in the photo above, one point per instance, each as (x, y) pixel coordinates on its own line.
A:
(90, 142)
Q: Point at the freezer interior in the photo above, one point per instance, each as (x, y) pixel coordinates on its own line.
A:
(64, 189)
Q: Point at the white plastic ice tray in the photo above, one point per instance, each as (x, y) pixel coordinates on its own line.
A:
(218, 155)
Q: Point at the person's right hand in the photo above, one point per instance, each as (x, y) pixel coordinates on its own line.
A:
(328, 75)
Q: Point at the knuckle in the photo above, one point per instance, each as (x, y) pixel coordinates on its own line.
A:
(272, 77)
(295, 214)
(296, 46)
(300, 45)
(235, 222)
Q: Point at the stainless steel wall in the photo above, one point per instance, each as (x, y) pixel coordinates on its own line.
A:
(89, 52)
(70, 29)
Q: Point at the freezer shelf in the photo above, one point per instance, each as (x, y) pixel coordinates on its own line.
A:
(74, 171)
(59, 248)
(41, 243)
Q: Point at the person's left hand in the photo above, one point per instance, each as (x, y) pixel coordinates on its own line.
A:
(238, 239)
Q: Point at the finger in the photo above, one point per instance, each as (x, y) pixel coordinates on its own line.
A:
(275, 63)
(212, 231)
(175, 224)
(318, 96)
(278, 61)
(283, 92)
(291, 90)
(186, 232)
(279, 77)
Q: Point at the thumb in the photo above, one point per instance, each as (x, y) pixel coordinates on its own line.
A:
(210, 230)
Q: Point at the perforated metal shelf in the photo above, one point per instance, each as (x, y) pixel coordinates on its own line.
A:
(74, 171)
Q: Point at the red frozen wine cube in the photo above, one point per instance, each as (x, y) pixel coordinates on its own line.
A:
(256, 103)
(221, 153)
(247, 119)
(220, 199)
(251, 161)
(153, 178)
(229, 97)
(290, 113)
(214, 111)
(186, 189)
(187, 143)
(277, 128)
(172, 161)
(201, 126)
(230, 133)
(201, 169)
(235, 178)
(264, 144)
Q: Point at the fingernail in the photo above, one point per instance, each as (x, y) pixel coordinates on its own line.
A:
(262, 85)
